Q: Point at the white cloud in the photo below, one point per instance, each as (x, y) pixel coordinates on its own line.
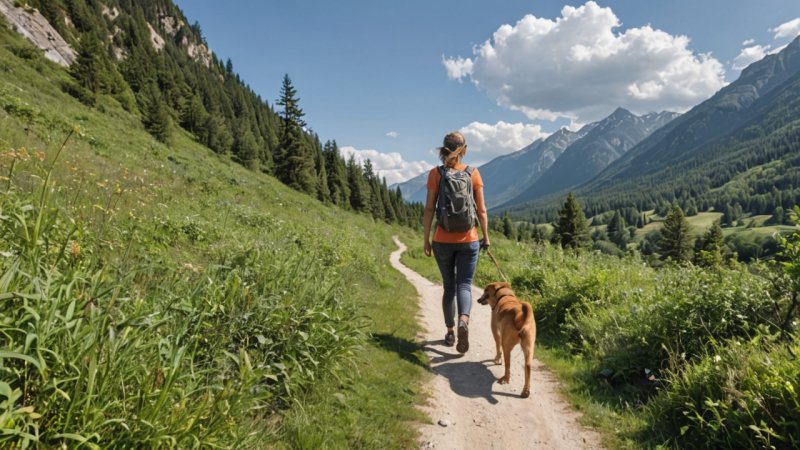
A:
(788, 29)
(486, 141)
(393, 134)
(457, 68)
(578, 67)
(748, 42)
(392, 166)
(749, 55)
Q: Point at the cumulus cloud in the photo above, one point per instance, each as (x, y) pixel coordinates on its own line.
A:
(486, 141)
(391, 166)
(577, 66)
(750, 55)
(457, 68)
(392, 134)
(788, 29)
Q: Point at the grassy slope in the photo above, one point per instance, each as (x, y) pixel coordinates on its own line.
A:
(116, 174)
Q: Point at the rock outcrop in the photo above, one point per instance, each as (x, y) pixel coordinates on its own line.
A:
(33, 26)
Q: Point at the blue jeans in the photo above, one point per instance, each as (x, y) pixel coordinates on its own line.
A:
(457, 264)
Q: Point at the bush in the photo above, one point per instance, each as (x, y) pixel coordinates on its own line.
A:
(741, 395)
(636, 331)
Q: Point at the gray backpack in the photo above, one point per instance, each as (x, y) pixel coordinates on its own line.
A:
(455, 207)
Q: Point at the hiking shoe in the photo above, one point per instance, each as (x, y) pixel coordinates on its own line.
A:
(449, 339)
(463, 337)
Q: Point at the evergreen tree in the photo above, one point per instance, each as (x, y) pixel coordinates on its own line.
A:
(359, 190)
(91, 65)
(712, 246)
(217, 137)
(675, 242)
(193, 115)
(571, 230)
(323, 189)
(691, 208)
(337, 175)
(509, 230)
(390, 215)
(293, 163)
(246, 147)
(156, 116)
(617, 231)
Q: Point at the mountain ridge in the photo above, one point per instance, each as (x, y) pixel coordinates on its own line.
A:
(608, 140)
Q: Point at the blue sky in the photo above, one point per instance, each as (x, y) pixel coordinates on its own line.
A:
(368, 68)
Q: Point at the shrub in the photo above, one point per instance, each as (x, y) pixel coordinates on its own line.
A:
(740, 395)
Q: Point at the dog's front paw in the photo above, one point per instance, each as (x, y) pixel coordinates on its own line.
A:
(498, 359)
(502, 380)
(525, 393)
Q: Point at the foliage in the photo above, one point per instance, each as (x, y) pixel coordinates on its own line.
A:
(676, 242)
(742, 395)
(571, 230)
(712, 247)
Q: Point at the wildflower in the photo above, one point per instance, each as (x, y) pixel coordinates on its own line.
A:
(39, 156)
(74, 249)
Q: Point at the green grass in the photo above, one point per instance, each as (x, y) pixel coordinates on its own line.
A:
(153, 230)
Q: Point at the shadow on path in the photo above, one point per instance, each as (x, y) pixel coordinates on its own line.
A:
(468, 379)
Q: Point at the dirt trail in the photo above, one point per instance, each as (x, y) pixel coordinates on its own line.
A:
(479, 413)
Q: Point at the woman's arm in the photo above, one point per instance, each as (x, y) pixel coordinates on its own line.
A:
(427, 218)
(483, 219)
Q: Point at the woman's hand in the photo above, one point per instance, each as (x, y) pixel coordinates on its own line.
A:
(485, 243)
(428, 249)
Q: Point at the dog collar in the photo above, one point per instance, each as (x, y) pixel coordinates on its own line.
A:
(502, 297)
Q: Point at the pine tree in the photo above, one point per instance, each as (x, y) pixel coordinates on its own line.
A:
(509, 230)
(359, 190)
(92, 65)
(390, 214)
(193, 114)
(712, 246)
(156, 117)
(323, 189)
(675, 242)
(617, 231)
(337, 175)
(571, 230)
(293, 162)
(246, 147)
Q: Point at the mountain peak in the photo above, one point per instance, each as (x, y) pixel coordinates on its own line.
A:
(620, 112)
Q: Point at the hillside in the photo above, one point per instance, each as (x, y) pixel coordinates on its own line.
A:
(147, 57)
(748, 127)
(413, 190)
(186, 299)
(607, 140)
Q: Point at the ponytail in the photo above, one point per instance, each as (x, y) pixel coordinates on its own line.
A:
(453, 149)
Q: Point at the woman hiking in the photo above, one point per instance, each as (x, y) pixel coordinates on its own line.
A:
(455, 194)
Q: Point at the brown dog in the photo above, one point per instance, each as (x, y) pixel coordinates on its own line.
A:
(512, 323)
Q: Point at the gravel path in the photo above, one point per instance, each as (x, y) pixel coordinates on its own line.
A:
(471, 411)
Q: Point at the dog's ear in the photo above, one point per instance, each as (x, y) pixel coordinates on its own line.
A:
(501, 284)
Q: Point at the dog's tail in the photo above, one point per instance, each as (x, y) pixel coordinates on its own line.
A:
(527, 319)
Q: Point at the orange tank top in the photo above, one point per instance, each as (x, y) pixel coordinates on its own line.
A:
(454, 237)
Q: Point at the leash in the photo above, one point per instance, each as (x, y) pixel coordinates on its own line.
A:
(491, 256)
